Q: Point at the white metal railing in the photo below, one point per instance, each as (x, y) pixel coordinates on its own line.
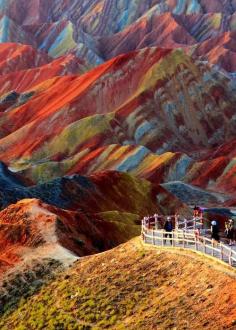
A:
(189, 239)
(179, 223)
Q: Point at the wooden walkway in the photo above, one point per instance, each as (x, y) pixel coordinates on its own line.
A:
(187, 238)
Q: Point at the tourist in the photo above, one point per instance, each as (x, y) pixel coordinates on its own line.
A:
(196, 211)
(168, 227)
(229, 230)
(215, 231)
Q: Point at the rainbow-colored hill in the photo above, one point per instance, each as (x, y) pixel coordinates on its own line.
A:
(109, 111)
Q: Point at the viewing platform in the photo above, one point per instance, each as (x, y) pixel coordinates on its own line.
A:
(187, 234)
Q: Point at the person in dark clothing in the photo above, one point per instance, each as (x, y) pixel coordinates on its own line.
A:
(215, 231)
(168, 227)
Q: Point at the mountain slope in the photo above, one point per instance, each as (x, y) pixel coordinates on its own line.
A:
(133, 287)
(207, 36)
(27, 78)
(100, 192)
(154, 110)
(16, 57)
(137, 160)
(33, 230)
(83, 215)
(102, 29)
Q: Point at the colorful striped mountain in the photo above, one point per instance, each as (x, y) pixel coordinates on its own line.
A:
(118, 117)
(157, 106)
(110, 110)
(99, 30)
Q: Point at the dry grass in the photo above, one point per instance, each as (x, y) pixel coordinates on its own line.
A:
(133, 287)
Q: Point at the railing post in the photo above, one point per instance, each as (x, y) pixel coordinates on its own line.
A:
(183, 239)
(185, 224)
(212, 248)
(230, 257)
(201, 220)
(221, 251)
(156, 220)
(162, 238)
(144, 233)
(204, 245)
(173, 237)
(153, 241)
(195, 241)
(176, 222)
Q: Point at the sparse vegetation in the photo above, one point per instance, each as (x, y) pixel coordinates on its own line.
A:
(17, 287)
(130, 287)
